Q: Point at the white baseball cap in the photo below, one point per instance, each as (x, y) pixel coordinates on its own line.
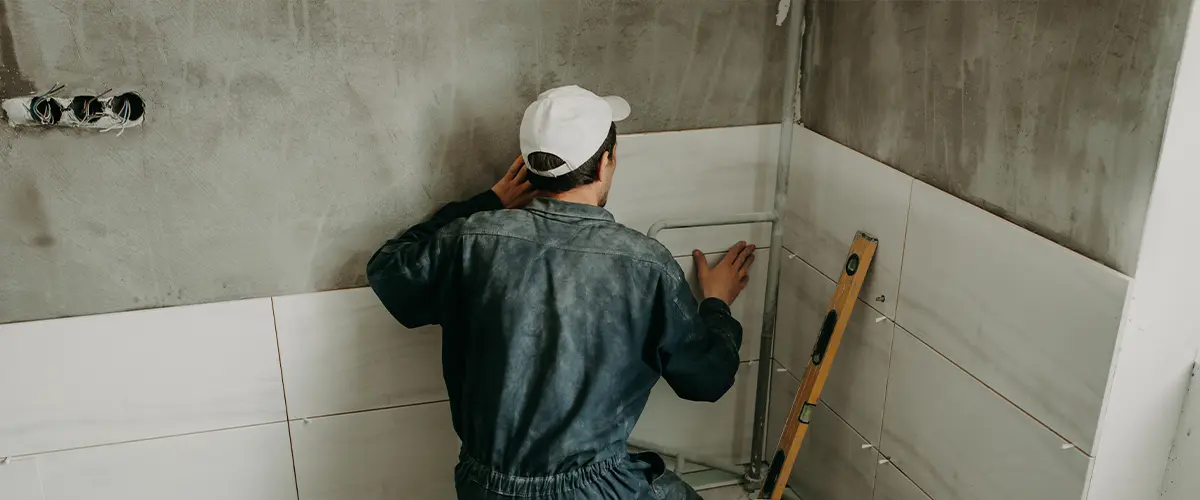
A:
(570, 123)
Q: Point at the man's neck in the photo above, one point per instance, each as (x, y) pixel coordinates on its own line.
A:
(578, 195)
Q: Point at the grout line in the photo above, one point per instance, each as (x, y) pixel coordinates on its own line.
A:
(887, 381)
(286, 411)
(904, 248)
(382, 408)
(792, 401)
(826, 405)
(899, 284)
(230, 428)
(875, 476)
(831, 280)
(906, 476)
(154, 438)
(37, 469)
(851, 427)
(994, 391)
(1026, 232)
(789, 372)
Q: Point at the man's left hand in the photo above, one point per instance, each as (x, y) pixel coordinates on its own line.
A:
(514, 190)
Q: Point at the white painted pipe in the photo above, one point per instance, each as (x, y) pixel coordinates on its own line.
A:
(696, 459)
(755, 472)
(725, 220)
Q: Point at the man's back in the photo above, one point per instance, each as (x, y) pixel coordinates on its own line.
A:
(557, 322)
(553, 354)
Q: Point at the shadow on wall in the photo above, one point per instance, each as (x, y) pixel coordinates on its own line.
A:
(12, 82)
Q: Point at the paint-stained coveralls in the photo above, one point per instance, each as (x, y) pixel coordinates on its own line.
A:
(556, 323)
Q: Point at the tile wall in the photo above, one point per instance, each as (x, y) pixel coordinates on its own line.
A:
(324, 396)
(976, 359)
(974, 365)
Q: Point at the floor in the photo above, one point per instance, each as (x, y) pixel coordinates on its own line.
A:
(727, 493)
(734, 492)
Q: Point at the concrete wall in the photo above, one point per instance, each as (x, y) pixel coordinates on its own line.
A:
(287, 138)
(1160, 334)
(324, 396)
(1048, 113)
(1180, 481)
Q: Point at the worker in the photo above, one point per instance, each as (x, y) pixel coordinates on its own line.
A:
(557, 320)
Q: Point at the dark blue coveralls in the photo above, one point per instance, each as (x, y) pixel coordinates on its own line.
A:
(556, 322)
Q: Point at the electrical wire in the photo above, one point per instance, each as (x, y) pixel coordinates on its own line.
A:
(48, 118)
(90, 117)
(126, 111)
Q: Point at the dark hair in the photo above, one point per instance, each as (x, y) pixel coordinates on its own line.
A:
(586, 174)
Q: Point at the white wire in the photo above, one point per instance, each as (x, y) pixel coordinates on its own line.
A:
(124, 114)
(87, 108)
(49, 116)
(128, 110)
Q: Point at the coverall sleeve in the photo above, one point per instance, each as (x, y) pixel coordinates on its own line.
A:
(412, 271)
(698, 351)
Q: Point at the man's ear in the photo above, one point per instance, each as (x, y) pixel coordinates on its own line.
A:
(606, 163)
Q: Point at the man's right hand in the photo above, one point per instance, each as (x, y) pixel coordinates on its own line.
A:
(728, 278)
(514, 190)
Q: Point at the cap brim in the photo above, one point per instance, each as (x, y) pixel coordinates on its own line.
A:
(620, 107)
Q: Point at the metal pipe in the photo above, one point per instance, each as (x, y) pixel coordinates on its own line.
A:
(755, 471)
(717, 484)
(724, 220)
(698, 460)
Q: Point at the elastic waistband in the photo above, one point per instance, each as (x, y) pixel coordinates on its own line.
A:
(519, 486)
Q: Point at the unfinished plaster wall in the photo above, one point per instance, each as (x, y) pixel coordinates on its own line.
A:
(324, 396)
(1160, 335)
(1049, 114)
(287, 138)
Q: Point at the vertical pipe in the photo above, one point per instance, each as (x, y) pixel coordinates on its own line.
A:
(784, 163)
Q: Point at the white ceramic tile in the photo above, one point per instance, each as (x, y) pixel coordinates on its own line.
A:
(783, 392)
(120, 377)
(407, 452)
(719, 431)
(857, 383)
(696, 173)
(19, 480)
(748, 308)
(832, 463)
(955, 438)
(250, 463)
(890, 484)
(342, 351)
(1033, 320)
(834, 192)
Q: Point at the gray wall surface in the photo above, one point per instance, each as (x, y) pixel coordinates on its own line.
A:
(1048, 113)
(286, 139)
